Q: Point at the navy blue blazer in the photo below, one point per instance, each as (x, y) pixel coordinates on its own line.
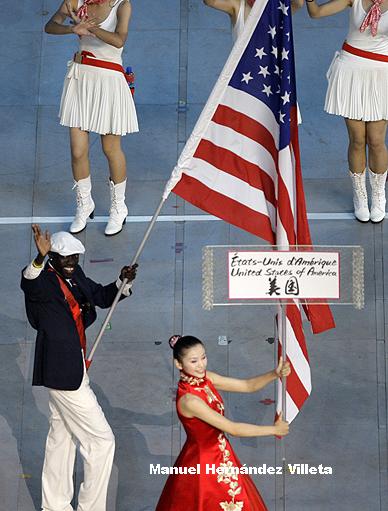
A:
(58, 360)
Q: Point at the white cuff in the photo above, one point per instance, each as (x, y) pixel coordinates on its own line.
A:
(31, 272)
(126, 289)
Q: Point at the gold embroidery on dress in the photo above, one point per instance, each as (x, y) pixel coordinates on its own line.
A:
(191, 380)
(211, 397)
(229, 476)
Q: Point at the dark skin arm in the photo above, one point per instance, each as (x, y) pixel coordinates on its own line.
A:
(103, 295)
(42, 242)
(129, 272)
(34, 289)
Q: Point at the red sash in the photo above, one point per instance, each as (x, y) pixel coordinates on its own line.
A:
(366, 54)
(75, 312)
(84, 58)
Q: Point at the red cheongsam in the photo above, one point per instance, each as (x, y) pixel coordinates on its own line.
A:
(207, 446)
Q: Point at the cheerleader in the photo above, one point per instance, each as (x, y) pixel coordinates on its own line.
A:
(357, 91)
(96, 98)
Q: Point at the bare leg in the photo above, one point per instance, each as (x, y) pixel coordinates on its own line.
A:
(357, 145)
(357, 164)
(378, 162)
(377, 150)
(111, 145)
(79, 145)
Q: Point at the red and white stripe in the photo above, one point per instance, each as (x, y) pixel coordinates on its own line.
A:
(235, 165)
(298, 386)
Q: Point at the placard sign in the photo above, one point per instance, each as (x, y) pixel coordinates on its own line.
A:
(279, 275)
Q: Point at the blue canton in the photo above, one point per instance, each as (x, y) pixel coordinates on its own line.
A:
(266, 69)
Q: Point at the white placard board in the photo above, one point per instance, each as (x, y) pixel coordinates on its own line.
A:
(281, 274)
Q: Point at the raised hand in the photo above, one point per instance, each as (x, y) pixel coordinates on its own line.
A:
(283, 368)
(282, 427)
(42, 240)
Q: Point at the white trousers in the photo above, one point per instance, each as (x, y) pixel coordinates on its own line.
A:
(75, 417)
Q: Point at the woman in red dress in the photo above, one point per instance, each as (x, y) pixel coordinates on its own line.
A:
(205, 476)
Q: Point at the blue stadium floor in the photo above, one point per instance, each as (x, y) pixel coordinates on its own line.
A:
(177, 49)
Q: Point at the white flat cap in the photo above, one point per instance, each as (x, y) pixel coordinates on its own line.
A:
(65, 244)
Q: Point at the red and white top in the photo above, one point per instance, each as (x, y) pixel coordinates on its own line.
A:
(365, 40)
(94, 45)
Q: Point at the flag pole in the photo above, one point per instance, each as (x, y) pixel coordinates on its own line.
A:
(88, 361)
(284, 398)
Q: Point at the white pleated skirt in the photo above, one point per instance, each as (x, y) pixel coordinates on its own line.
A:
(98, 100)
(358, 88)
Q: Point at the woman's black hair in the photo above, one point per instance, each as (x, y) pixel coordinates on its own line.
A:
(180, 344)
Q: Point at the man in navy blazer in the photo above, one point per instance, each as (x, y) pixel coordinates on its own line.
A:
(61, 303)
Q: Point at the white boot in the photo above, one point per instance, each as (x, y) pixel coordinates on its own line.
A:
(85, 205)
(360, 196)
(118, 210)
(377, 182)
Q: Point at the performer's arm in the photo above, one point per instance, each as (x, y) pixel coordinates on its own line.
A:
(296, 4)
(119, 36)
(328, 8)
(56, 26)
(251, 384)
(232, 7)
(192, 406)
(229, 6)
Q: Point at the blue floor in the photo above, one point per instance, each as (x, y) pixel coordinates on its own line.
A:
(177, 48)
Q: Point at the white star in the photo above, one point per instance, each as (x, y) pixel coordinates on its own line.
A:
(285, 54)
(247, 77)
(286, 97)
(289, 78)
(274, 51)
(277, 70)
(260, 53)
(288, 35)
(272, 31)
(267, 90)
(264, 71)
(281, 116)
(278, 91)
(283, 8)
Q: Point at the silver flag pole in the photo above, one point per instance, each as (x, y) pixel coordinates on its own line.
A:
(283, 309)
(88, 361)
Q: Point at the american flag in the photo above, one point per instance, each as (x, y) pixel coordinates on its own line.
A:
(242, 161)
